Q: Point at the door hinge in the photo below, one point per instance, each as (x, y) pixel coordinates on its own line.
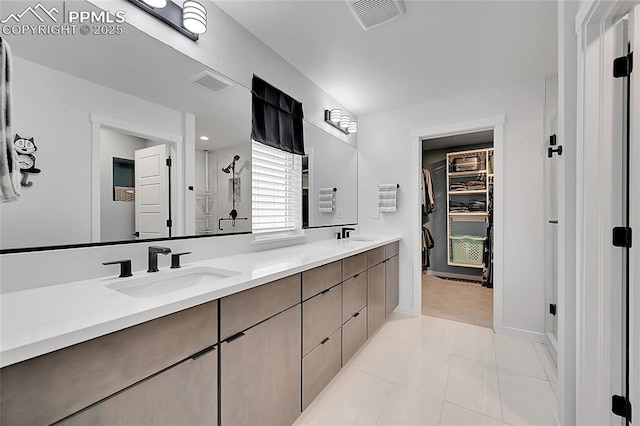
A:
(623, 66)
(553, 140)
(169, 223)
(553, 309)
(621, 406)
(168, 162)
(622, 236)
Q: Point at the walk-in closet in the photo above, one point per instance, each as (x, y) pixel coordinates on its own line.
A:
(457, 227)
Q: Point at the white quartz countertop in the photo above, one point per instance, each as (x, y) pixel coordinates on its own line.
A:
(45, 319)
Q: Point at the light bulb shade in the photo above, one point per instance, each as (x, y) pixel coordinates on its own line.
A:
(335, 115)
(194, 17)
(344, 122)
(353, 127)
(158, 4)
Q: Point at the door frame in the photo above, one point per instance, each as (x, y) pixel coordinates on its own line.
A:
(495, 123)
(598, 263)
(99, 122)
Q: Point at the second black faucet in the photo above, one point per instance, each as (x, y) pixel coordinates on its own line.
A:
(154, 251)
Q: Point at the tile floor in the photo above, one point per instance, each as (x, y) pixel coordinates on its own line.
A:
(432, 371)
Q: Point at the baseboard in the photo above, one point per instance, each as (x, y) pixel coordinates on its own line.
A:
(406, 311)
(522, 334)
(455, 276)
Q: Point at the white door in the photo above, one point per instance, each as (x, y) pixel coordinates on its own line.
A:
(152, 192)
(634, 217)
(552, 194)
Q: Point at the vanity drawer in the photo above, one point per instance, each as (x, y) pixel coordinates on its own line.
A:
(321, 278)
(354, 265)
(354, 295)
(321, 316)
(392, 249)
(354, 334)
(242, 310)
(375, 256)
(50, 387)
(319, 367)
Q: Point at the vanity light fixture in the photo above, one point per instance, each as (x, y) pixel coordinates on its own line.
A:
(189, 20)
(340, 121)
(204, 138)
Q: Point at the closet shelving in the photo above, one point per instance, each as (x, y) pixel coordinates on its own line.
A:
(469, 178)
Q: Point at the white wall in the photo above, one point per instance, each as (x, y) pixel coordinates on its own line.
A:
(117, 218)
(57, 208)
(385, 150)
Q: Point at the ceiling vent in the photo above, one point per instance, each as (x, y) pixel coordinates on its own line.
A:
(212, 81)
(370, 13)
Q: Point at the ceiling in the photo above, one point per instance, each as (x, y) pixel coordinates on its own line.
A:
(436, 50)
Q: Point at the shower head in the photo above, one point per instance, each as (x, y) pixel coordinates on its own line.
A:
(231, 165)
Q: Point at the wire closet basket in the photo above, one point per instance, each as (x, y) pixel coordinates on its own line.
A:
(467, 249)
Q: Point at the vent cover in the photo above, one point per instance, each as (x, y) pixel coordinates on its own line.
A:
(212, 81)
(370, 13)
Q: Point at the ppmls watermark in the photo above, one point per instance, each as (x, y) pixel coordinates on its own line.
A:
(57, 20)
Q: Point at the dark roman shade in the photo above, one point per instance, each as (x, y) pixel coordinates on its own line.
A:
(276, 118)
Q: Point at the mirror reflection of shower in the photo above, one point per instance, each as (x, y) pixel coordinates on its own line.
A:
(235, 187)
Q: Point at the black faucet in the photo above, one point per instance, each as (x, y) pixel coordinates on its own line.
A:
(153, 256)
(346, 232)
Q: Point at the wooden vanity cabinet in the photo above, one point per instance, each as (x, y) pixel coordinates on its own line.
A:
(376, 293)
(51, 387)
(260, 365)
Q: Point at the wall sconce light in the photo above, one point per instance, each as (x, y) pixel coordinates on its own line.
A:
(340, 121)
(189, 20)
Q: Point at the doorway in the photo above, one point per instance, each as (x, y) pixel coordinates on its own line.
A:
(115, 144)
(457, 223)
(494, 126)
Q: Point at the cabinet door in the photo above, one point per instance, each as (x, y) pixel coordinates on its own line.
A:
(182, 395)
(375, 297)
(392, 284)
(354, 334)
(320, 366)
(321, 317)
(354, 296)
(260, 373)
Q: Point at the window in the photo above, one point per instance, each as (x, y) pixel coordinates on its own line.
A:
(277, 191)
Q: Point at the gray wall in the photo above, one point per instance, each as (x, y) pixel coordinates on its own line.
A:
(436, 162)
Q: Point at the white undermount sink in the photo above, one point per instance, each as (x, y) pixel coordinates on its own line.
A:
(155, 284)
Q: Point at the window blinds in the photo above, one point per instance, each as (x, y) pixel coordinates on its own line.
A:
(277, 190)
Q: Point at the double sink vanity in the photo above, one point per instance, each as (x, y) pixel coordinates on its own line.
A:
(238, 340)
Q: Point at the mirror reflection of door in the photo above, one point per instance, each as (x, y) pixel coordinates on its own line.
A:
(152, 204)
(134, 189)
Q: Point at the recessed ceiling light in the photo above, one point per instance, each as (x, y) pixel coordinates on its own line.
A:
(204, 138)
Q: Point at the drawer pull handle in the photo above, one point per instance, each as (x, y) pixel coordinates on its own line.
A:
(234, 337)
(203, 352)
(324, 341)
(356, 275)
(356, 314)
(326, 291)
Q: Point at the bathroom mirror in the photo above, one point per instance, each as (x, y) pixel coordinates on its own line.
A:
(329, 180)
(105, 112)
